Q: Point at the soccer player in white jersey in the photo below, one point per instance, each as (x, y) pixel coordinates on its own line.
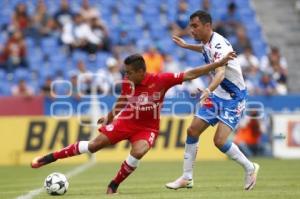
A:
(222, 102)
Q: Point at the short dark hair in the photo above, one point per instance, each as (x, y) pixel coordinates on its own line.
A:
(136, 61)
(203, 16)
(274, 49)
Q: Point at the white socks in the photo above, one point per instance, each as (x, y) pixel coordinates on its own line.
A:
(83, 147)
(235, 154)
(230, 149)
(189, 159)
(132, 161)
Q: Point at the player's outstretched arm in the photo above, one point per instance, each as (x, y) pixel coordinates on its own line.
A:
(201, 70)
(181, 42)
(118, 106)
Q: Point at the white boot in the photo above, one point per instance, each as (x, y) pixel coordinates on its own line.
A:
(250, 178)
(180, 183)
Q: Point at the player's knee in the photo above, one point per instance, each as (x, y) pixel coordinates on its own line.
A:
(192, 132)
(138, 153)
(219, 142)
(98, 143)
(94, 146)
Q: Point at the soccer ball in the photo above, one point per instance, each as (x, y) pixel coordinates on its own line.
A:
(56, 184)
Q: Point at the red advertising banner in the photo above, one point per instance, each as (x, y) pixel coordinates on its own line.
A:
(21, 106)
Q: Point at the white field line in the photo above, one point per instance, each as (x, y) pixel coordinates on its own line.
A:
(31, 194)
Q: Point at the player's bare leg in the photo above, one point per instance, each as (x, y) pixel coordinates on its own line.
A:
(232, 151)
(196, 128)
(77, 148)
(138, 150)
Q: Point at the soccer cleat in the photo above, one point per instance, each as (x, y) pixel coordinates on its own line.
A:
(250, 178)
(42, 160)
(112, 188)
(180, 183)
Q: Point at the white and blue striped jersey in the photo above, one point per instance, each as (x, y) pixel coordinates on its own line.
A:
(233, 83)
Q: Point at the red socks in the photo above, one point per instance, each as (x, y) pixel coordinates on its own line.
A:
(123, 173)
(68, 151)
(73, 150)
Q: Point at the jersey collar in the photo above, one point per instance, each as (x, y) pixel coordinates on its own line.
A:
(212, 35)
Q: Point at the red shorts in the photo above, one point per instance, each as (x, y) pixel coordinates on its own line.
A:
(119, 130)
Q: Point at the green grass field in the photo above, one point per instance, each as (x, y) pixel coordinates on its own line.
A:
(213, 179)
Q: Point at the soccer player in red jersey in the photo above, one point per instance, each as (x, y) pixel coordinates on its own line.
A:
(135, 116)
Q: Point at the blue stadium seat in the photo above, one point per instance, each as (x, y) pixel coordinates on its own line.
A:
(61, 89)
(36, 66)
(49, 42)
(52, 7)
(259, 48)
(2, 74)
(29, 42)
(194, 4)
(247, 16)
(104, 4)
(126, 10)
(101, 59)
(171, 15)
(5, 88)
(49, 45)
(242, 3)
(34, 58)
(166, 45)
(172, 4)
(194, 59)
(75, 5)
(219, 4)
(5, 18)
(21, 73)
(57, 65)
(124, 18)
(79, 55)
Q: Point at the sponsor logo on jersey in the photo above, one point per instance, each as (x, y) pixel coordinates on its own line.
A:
(218, 46)
(176, 75)
(109, 127)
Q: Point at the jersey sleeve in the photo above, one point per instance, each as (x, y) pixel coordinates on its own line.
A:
(170, 79)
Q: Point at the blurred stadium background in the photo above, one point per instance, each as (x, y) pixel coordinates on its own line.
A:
(54, 54)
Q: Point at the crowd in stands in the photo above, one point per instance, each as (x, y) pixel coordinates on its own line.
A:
(85, 41)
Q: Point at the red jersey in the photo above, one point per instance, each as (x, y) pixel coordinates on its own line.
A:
(145, 100)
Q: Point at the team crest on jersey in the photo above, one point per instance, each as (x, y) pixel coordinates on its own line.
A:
(109, 127)
(217, 56)
(142, 99)
(151, 85)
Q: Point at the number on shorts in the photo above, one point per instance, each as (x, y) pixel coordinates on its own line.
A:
(151, 138)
